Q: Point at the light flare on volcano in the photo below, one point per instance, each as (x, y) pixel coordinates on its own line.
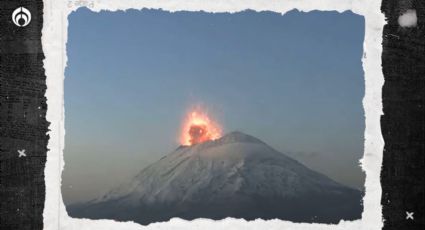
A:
(198, 127)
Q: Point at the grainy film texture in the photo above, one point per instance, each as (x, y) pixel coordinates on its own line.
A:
(23, 125)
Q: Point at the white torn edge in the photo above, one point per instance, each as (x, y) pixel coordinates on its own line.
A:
(54, 42)
(408, 19)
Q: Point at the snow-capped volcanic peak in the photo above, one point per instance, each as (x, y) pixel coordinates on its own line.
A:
(236, 175)
(237, 136)
(221, 168)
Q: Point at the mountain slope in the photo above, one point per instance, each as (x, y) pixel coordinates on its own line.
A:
(234, 176)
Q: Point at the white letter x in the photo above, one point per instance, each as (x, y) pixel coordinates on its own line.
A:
(409, 215)
(21, 153)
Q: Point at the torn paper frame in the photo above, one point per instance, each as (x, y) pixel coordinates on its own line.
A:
(54, 38)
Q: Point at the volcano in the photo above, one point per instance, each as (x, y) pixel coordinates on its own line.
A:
(235, 176)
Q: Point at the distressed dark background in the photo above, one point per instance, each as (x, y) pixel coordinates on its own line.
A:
(23, 123)
(403, 128)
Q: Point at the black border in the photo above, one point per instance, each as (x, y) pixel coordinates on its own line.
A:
(23, 122)
(402, 125)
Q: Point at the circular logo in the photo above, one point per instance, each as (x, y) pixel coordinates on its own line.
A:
(21, 16)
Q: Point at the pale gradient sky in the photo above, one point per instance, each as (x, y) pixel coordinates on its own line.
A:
(294, 81)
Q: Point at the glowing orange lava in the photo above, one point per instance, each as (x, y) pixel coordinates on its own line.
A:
(198, 127)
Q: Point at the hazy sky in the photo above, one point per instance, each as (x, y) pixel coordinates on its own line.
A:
(294, 81)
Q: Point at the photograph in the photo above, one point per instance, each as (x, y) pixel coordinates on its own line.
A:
(248, 115)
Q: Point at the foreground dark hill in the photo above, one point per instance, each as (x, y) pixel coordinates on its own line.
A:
(235, 176)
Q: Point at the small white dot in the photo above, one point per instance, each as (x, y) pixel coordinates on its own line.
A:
(408, 19)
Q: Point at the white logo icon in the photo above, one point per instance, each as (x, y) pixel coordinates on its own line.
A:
(21, 17)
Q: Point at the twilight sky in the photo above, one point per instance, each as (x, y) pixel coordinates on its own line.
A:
(294, 81)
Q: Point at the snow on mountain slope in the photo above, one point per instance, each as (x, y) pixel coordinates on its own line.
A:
(237, 175)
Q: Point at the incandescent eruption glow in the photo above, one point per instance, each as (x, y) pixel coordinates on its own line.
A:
(198, 127)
